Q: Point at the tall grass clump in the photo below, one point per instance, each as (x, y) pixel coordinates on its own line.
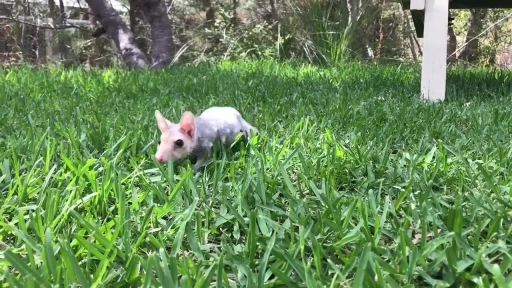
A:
(318, 29)
(353, 182)
(325, 33)
(330, 31)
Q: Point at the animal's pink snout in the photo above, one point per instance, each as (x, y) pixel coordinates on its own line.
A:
(160, 159)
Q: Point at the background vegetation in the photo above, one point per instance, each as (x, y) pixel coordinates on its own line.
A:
(315, 31)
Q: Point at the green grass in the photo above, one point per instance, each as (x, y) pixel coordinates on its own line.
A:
(353, 181)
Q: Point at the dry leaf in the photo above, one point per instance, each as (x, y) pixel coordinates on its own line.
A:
(430, 235)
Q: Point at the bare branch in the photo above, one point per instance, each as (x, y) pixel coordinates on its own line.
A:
(68, 23)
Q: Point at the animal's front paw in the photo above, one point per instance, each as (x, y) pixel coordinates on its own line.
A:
(199, 164)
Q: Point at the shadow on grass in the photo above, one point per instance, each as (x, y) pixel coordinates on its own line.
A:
(398, 81)
(478, 84)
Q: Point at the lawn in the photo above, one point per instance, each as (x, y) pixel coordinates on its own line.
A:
(352, 182)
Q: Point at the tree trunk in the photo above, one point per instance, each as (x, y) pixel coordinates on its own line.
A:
(137, 20)
(234, 17)
(412, 37)
(5, 9)
(210, 12)
(353, 14)
(63, 39)
(452, 45)
(54, 14)
(470, 51)
(25, 34)
(162, 51)
(380, 44)
(273, 10)
(354, 30)
(119, 32)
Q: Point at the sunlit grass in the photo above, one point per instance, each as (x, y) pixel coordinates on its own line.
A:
(352, 182)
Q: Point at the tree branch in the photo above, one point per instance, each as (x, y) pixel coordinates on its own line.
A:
(68, 23)
(119, 32)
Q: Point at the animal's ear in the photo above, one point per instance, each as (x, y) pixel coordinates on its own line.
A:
(187, 123)
(161, 122)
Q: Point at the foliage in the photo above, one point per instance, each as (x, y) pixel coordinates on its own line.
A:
(394, 43)
(494, 41)
(230, 42)
(312, 31)
(352, 182)
(320, 28)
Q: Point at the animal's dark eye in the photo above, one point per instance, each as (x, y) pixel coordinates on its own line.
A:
(178, 143)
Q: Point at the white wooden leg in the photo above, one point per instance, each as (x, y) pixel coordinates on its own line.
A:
(417, 5)
(433, 67)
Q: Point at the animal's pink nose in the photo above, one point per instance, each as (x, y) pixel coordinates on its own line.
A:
(160, 159)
